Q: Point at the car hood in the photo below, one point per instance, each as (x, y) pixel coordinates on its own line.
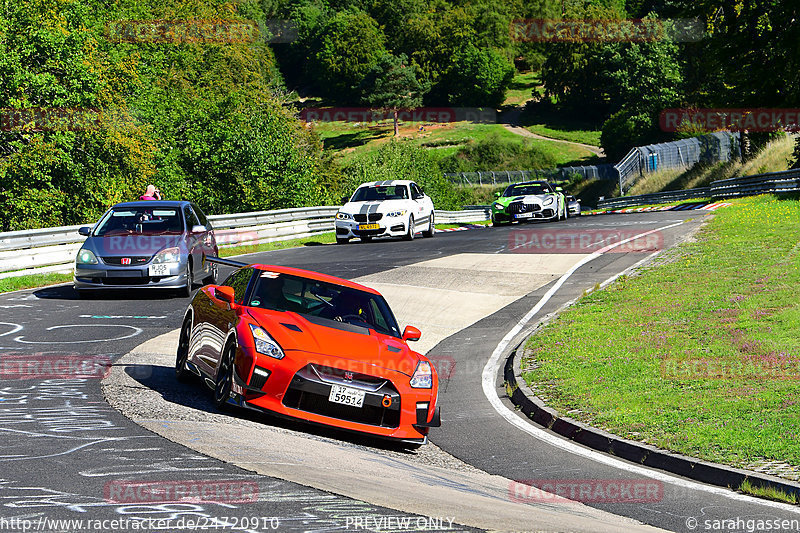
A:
(528, 199)
(380, 206)
(131, 245)
(365, 347)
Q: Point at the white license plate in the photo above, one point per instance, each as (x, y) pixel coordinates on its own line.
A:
(523, 215)
(346, 396)
(160, 269)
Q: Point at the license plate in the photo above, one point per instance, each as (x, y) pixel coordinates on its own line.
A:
(523, 215)
(369, 226)
(160, 269)
(346, 396)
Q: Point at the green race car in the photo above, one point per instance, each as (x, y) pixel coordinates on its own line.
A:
(530, 200)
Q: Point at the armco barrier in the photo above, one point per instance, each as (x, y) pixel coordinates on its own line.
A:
(40, 251)
(771, 182)
(654, 198)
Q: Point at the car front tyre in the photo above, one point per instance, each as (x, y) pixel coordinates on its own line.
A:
(186, 291)
(182, 356)
(409, 236)
(211, 279)
(431, 228)
(224, 381)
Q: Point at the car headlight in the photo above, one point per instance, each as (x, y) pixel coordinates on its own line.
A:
(343, 216)
(498, 205)
(549, 200)
(168, 255)
(86, 257)
(423, 376)
(399, 213)
(265, 344)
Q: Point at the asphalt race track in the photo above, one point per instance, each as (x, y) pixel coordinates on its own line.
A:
(66, 450)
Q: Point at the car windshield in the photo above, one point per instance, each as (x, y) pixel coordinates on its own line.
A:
(382, 192)
(141, 221)
(531, 188)
(328, 301)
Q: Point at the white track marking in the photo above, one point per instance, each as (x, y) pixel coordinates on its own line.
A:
(488, 382)
(15, 328)
(136, 331)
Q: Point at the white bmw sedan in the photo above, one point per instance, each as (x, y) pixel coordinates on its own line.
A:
(396, 208)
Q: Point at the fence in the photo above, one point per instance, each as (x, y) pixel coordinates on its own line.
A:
(713, 147)
(45, 250)
(498, 177)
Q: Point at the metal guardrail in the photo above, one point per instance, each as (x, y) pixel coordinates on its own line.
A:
(44, 250)
(771, 182)
(767, 183)
(654, 198)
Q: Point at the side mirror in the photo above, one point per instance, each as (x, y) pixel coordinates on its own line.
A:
(411, 334)
(579, 200)
(344, 199)
(199, 229)
(224, 293)
(85, 231)
(497, 194)
(559, 189)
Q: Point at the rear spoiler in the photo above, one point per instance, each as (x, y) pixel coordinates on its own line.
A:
(226, 262)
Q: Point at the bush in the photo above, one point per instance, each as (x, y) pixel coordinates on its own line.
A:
(496, 153)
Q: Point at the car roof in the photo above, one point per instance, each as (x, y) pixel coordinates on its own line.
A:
(385, 183)
(537, 182)
(153, 203)
(310, 274)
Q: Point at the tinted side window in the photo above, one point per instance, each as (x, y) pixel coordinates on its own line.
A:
(415, 192)
(200, 216)
(191, 219)
(239, 280)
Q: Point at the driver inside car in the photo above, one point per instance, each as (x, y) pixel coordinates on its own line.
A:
(346, 304)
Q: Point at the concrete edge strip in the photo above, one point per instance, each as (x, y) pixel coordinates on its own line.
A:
(491, 370)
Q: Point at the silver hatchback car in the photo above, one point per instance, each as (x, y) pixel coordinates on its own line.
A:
(147, 244)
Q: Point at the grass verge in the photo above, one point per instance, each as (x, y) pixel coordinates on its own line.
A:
(322, 238)
(698, 353)
(32, 280)
(770, 493)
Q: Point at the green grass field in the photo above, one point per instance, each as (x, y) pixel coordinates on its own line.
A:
(522, 87)
(698, 353)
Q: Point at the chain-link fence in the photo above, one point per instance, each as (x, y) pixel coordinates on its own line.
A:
(513, 176)
(713, 147)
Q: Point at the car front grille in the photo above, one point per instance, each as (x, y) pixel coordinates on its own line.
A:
(310, 388)
(519, 207)
(134, 260)
(368, 217)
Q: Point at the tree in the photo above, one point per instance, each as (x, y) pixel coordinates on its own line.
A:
(392, 85)
(476, 77)
(351, 44)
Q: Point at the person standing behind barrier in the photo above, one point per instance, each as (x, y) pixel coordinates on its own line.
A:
(151, 193)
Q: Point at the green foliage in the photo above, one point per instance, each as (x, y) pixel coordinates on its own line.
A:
(351, 43)
(399, 160)
(477, 77)
(392, 84)
(624, 130)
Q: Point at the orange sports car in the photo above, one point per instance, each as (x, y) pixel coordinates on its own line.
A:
(309, 346)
